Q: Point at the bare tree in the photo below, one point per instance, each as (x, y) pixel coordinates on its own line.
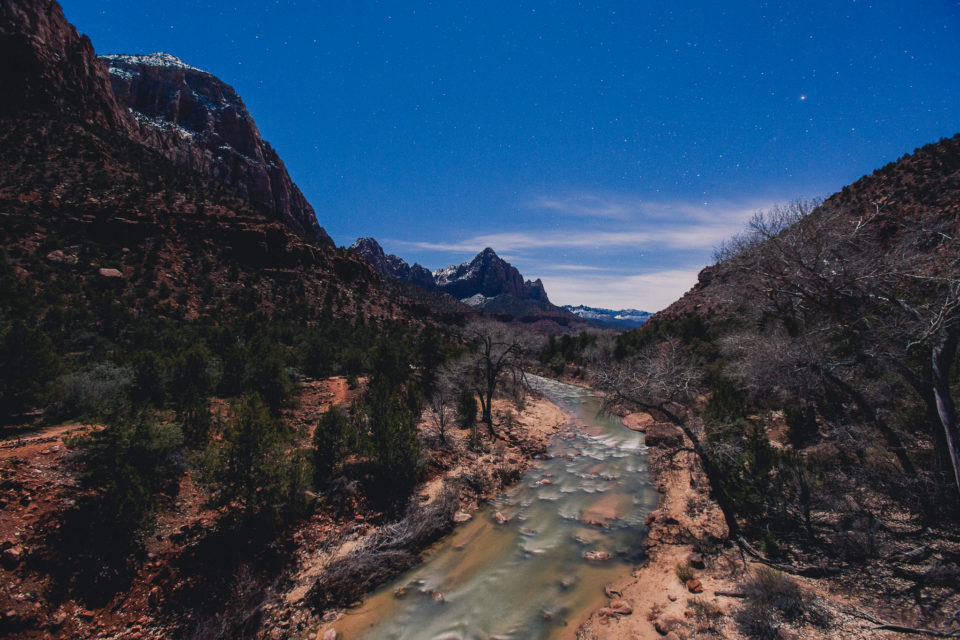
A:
(442, 402)
(663, 379)
(886, 283)
(498, 349)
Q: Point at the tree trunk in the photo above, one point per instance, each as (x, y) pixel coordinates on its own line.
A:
(941, 359)
(894, 443)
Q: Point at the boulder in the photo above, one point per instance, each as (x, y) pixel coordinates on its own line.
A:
(12, 556)
(108, 272)
(694, 586)
(462, 516)
(616, 608)
(638, 421)
(667, 624)
(597, 556)
(664, 435)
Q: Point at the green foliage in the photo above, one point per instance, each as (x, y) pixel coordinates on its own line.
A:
(191, 383)
(692, 331)
(126, 464)
(28, 364)
(148, 388)
(266, 373)
(467, 408)
(727, 403)
(568, 348)
(802, 422)
(391, 425)
(100, 391)
(250, 470)
(333, 440)
(124, 467)
(751, 474)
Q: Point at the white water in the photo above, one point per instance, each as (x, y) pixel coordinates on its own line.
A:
(528, 579)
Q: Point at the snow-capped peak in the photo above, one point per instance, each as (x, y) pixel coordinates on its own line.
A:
(158, 59)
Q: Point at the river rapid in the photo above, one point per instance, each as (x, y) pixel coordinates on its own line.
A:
(531, 577)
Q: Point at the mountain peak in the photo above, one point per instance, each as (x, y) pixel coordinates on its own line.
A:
(367, 245)
(157, 59)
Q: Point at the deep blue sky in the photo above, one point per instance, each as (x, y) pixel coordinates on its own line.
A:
(604, 147)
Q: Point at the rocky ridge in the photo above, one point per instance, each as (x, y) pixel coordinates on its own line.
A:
(487, 283)
(199, 121)
(623, 317)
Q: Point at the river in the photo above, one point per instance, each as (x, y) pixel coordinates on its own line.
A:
(531, 577)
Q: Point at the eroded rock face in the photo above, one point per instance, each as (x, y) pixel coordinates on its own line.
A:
(393, 266)
(48, 67)
(197, 120)
(490, 276)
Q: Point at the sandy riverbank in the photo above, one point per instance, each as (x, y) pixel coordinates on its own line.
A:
(688, 530)
(523, 434)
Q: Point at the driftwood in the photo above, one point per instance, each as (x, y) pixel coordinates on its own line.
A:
(898, 628)
(811, 571)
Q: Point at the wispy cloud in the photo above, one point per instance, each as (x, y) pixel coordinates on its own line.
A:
(615, 206)
(646, 291)
(631, 223)
(688, 237)
(589, 205)
(570, 267)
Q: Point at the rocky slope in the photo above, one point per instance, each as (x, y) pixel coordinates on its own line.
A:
(393, 266)
(199, 121)
(918, 189)
(79, 191)
(188, 115)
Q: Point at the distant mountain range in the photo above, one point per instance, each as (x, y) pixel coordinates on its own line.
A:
(487, 283)
(624, 317)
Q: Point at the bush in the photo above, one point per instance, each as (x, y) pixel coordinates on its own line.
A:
(772, 598)
(124, 467)
(802, 422)
(27, 365)
(685, 572)
(333, 440)
(251, 470)
(99, 392)
(392, 550)
(395, 444)
(467, 409)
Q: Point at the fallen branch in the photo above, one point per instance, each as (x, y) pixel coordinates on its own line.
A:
(809, 571)
(730, 594)
(898, 628)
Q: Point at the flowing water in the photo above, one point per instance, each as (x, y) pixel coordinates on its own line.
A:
(528, 578)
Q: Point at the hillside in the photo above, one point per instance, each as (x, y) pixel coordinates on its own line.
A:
(813, 372)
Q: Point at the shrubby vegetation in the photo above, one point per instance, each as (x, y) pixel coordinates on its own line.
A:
(122, 468)
(255, 468)
(844, 335)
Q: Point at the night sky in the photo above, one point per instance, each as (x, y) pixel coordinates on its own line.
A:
(606, 148)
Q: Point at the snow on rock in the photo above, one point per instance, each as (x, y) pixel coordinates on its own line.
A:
(158, 59)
